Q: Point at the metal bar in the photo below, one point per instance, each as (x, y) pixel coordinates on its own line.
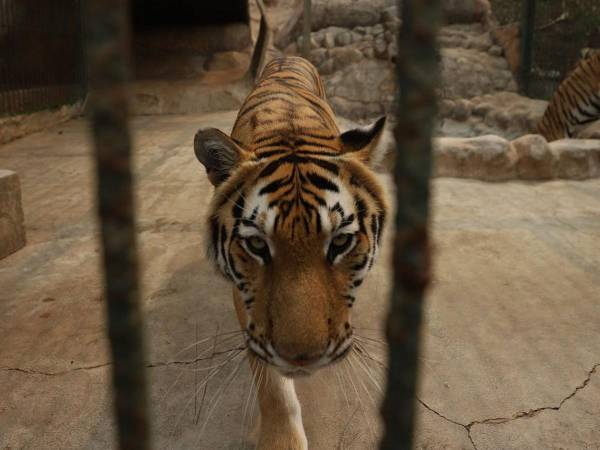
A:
(109, 71)
(306, 22)
(82, 64)
(418, 78)
(19, 75)
(50, 77)
(10, 38)
(4, 105)
(527, 30)
(38, 76)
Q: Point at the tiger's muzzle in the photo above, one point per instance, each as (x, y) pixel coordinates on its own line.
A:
(301, 364)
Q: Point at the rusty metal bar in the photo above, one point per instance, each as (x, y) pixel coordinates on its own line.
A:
(109, 72)
(418, 77)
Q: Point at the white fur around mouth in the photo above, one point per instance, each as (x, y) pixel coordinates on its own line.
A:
(297, 373)
(269, 355)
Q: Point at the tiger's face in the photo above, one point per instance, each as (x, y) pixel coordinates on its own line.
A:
(296, 232)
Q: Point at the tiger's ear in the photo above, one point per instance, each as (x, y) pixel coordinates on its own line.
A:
(362, 143)
(219, 154)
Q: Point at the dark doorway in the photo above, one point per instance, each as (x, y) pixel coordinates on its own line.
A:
(174, 39)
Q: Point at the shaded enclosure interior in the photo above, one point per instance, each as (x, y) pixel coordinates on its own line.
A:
(187, 13)
(174, 40)
(42, 56)
(42, 53)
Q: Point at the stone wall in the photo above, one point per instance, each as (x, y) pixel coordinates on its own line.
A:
(530, 157)
(506, 114)
(355, 55)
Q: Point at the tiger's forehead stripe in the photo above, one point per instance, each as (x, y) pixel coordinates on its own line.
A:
(301, 191)
(303, 199)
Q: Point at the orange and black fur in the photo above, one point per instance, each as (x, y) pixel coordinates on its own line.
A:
(575, 103)
(295, 225)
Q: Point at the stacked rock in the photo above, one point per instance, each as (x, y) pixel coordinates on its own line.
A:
(355, 54)
(333, 48)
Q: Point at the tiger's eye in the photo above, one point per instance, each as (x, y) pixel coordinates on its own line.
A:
(340, 240)
(257, 243)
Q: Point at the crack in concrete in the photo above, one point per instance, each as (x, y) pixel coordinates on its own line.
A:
(519, 415)
(51, 374)
(447, 419)
(30, 371)
(467, 427)
(195, 360)
(534, 412)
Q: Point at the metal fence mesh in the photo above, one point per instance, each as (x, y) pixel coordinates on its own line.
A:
(41, 62)
(562, 30)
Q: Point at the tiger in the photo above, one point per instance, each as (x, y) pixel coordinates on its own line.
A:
(295, 224)
(576, 101)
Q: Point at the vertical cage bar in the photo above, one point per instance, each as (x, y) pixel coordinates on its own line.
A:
(527, 31)
(18, 25)
(83, 89)
(306, 23)
(418, 78)
(109, 71)
(3, 62)
(47, 75)
(37, 72)
(10, 38)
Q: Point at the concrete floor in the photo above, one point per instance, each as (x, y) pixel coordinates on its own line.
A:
(511, 339)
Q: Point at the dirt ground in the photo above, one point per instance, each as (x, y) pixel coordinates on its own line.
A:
(511, 339)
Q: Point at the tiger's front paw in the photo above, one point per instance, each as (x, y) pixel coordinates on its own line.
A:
(288, 436)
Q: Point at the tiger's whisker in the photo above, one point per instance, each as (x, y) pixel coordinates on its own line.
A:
(202, 369)
(373, 341)
(366, 354)
(345, 429)
(261, 378)
(183, 371)
(210, 338)
(352, 359)
(371, 399)
(367, 370)
(358, 397)
(217, 397)
(211, 375)
(247, 402)
(342, 388)
(253, 385)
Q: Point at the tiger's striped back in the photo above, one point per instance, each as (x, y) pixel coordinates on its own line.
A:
(576, 102)
(287, 105)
